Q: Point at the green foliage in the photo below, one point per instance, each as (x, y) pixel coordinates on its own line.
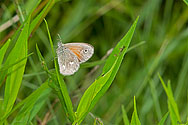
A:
(135, 119)
(172, 106)
(162, 121)
(14, 79)
(124, 114)
(32, 91)
(186, 1)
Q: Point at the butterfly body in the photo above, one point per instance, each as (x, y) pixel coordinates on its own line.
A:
(71, 55)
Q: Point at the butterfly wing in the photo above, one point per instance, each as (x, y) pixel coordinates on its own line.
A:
(83, 51)
(67, 60)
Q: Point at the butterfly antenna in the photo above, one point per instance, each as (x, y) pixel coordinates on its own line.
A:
(59, 38)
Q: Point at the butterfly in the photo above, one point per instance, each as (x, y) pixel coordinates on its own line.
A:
(71, 55)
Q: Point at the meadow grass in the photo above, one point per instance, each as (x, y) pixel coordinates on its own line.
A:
(137, 75)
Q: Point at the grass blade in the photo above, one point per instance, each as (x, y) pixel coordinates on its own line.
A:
(14, 80)
(37, 21)
(124, 114)
(163, 119)
(135, 119)
(173, 109)
(65, 95)
(31, 98)
(103, 82)
(186, 2)
(2, 54)
(31, 107)
(3, 51)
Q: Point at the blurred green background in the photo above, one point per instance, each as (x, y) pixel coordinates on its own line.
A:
(102, 23)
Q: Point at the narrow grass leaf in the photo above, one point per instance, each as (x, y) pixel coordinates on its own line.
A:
(3, 51)
(65, 95)
(162, 121)
(124, 114)
(14, 80)
(155, 99)
(104, 81)
(31, 107)
(44, 88)
(2, 54)
(41, 58)
(186, 2)
(172, 106)
(6, 67)
(135, 120)
(91, 93)
(37, 21)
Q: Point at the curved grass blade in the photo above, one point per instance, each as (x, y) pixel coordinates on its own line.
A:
(103, 82)
(124, 114)
(3, 51)
(172, 106)
(14, 80)
(32, 106)
(186, 2)
(163, 119)
(66, 102)
(2, 54)
(30, 99)
(37, 21)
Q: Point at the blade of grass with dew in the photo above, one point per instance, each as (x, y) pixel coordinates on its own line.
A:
(31, 108)
(135, 120)
(67, 101)
(31, 98)
(162, 121)
(13, 81)
(173, 108)
(186, 2)
(110, 68)
(124, 114)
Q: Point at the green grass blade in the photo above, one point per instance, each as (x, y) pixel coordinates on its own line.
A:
(172, 106)
(162, 121)
(14, 80)
(186, 2)
(3, 51)
(6, 67)
(37, 21)
(135, 119)
(41, 58)
(30, 99)
(124, 114)
(2, 54)
(103, 82)
(31, 107)
(155, 99)
(90, 94)
(65, 95)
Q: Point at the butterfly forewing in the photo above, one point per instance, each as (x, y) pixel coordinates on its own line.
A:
(83, 51)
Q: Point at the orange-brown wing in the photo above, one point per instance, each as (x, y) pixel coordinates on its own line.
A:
(77, 51)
